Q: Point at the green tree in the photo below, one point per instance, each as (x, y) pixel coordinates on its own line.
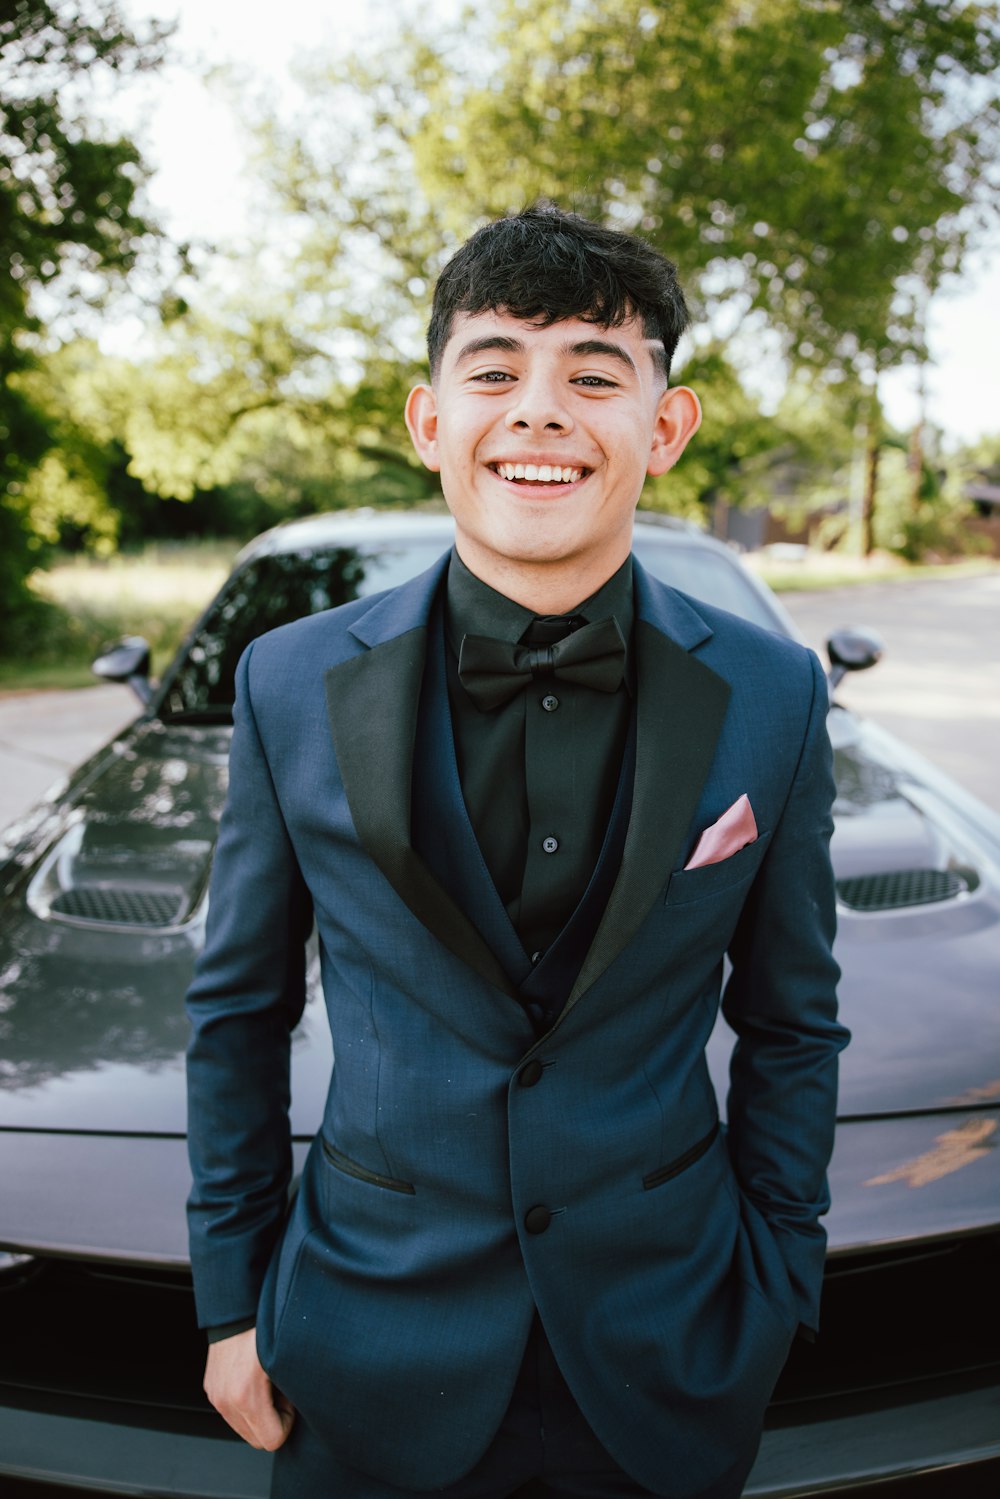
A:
(252, 399)
(822, 165)
(814, 169)
(801, 157)
(732, 459)
(68, 221)
(818, 168)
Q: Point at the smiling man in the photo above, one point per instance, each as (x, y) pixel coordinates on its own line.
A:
(543, 434)
(531, 799)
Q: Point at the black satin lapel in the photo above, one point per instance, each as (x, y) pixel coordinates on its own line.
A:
(372, 701)
(681, 705)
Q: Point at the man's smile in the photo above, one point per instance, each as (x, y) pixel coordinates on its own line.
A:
(538, 473)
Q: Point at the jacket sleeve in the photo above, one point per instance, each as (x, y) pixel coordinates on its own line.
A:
(781, 1002)
(246, 998)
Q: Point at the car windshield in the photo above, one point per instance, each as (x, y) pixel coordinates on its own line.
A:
(708, 575)
(273, 589)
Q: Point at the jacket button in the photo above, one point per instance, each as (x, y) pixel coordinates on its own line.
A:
(530, 1073)
(537, 1219)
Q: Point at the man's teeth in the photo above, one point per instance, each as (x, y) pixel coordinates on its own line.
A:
(539, 473)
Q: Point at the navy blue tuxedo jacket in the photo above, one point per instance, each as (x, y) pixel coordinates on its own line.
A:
(454, 1185)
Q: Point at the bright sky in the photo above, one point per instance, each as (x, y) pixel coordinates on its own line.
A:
(201, 184)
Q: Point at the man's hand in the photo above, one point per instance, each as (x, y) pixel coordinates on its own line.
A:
(243, 1395)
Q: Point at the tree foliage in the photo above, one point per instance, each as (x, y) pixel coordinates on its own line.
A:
(733, 454)
(68, 216)
(815, 162)
(815, 169)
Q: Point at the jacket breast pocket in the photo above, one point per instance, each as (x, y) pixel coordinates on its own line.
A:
(687, 885)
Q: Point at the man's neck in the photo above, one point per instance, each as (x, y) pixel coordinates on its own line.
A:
(542, 587)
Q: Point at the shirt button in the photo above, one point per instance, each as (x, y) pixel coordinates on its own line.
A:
(550, 703)
(536, 958)
(537, 1219)
(550, 844)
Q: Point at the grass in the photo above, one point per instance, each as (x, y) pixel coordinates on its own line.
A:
(833, 570)
(85, 604)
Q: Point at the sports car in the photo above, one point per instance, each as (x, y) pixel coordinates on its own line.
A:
(103, 894)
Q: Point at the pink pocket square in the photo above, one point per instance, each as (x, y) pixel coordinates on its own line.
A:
(733, 831)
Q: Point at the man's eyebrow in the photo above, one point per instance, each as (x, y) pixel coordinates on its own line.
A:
(499, 341)
(504, 344)
(601, 346)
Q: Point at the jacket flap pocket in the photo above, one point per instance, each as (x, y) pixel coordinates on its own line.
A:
(710, 879)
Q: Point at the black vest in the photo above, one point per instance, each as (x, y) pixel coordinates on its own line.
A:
(444, 838)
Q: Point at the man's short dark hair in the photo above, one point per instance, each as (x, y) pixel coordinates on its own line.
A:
(543, 265)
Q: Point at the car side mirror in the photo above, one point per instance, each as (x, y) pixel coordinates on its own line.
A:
(127, 662)
(852, 649)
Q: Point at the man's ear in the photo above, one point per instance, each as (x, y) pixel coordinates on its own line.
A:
(421, 422)
(678, 417)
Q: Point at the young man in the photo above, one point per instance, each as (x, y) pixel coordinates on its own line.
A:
(531, 799)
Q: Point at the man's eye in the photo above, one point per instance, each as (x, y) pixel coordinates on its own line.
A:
(595, 381)
(493, 377)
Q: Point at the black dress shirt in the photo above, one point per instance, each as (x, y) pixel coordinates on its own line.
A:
(539, 773)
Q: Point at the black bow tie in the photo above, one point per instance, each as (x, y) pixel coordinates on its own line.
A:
(492, 671)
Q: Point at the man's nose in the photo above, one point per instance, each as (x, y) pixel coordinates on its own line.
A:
(539, 406)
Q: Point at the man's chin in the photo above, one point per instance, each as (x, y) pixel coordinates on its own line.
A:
(537, 535)
(534, 552)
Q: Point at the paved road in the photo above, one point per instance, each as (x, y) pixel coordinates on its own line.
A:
(938, 687)
(45, 734)
(938, 684)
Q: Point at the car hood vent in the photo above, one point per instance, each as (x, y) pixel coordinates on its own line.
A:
(899, 888)
(141, 878)
(114, 905)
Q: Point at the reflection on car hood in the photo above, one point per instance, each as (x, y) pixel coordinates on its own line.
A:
(919, 988)
(104, 915)
(103, 918)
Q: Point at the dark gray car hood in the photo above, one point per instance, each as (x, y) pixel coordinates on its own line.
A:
(92, 1027)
